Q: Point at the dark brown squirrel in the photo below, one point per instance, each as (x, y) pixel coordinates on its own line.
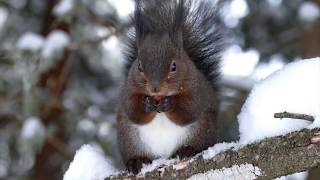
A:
(169, 100)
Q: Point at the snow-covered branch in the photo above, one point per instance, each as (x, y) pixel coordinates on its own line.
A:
(266, 159)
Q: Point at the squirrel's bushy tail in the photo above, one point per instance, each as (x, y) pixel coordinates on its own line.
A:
(199, 22)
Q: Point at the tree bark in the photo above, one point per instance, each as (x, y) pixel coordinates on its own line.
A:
(274, 157)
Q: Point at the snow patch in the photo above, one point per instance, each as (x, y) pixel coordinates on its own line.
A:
(32, 127)
(239, 8)
(105, 129)
(89, 163)
(296, 176)
(236, 172)
(112, 57)
(63, 7)
(309, 11)
(264, 69)
(54, 45)
(216, 149)
(32, 136)
(237, 62)
(30, 41)
(3, 169)
(233, 11)
(3, 16)
(124, 7)
(275, 3)
(156, 164)
(87, 126)
(295, 89)
(94, 111)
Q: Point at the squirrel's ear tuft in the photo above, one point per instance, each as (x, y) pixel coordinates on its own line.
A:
(142, 23)
(177, 39)
(179, 16)
(177, 25)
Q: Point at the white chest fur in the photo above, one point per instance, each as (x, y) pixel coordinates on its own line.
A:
(161, 137)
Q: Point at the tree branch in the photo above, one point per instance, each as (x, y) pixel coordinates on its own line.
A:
(268, 159)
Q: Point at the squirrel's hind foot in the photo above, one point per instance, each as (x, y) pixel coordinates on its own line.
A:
(135, 165)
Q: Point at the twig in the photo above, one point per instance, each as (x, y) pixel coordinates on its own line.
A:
(286, 114)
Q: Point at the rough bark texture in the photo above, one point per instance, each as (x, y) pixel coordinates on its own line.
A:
(277, 156)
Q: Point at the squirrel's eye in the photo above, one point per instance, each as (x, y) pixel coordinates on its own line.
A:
(140, 67)
(173, 67)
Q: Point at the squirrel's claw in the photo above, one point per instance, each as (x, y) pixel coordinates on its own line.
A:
(316, 138)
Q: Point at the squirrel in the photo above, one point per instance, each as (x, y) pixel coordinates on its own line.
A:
(169, 100)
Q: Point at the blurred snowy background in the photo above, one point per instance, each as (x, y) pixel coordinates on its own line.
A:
(61, 66)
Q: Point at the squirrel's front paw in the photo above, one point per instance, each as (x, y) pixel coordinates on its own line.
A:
(148, 103)
(166, 104)
(134, 165)
(185, 152)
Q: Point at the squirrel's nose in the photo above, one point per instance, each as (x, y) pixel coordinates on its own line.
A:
(156, 89)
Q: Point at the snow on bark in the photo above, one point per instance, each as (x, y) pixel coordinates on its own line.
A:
(236, 172)
(212, 151)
